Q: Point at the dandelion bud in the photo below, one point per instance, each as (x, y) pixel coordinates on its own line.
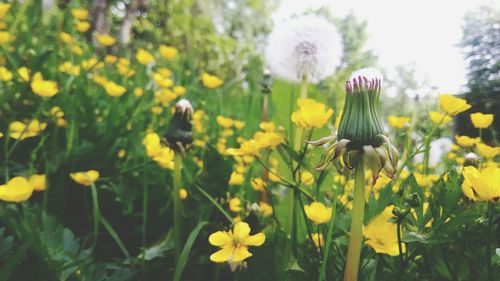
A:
(179, 134)
(471, 159)
(413, 200)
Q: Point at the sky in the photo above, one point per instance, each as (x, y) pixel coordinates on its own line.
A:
(420, 32)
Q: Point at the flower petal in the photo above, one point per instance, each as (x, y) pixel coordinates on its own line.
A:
(222, 255)
(240, 253)
(241, 231)
(255, 240)
(219, 238)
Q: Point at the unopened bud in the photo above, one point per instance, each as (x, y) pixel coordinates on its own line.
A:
(471, 159)
(179, 134)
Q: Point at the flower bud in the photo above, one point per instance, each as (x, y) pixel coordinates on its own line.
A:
(179, 133)
(471, 159)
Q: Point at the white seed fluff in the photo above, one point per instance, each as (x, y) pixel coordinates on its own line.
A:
(368, 73)
(307, 45)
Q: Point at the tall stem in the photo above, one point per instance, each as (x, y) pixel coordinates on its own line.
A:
(358, 210)
(177, 204)
(488, 241)
(96, 213)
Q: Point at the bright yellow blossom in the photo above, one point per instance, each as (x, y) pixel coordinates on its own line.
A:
(85, 178)
(318, 213)
(439, 118)
(168, 52)
(66, 38)
(381, 234)
(38, 182)
(267, 126)
(265, 209)
(152, 143)
(77, 50)
(398, 122)
(485, 183)
(113, 89)
(165, 158)
(121, 153)
(24, 73)
(179, 90)
(487, 151)
(110, 59)
(318, 240)
(211, 81)
(425, 180)
(480, 120)
(105, 40)
(307, 178)
(235, 205)
(44, 88)
(258, 184)
(16, 190)
(5, 37)
(82, 26)
(5, 74)
(224, 122)
(138, 92)
(21, 131)
(4, 8)
(236, 178)
(465, 141)
(79, 13)
(234, 243)
(311, 114)
(143, 56)
(183, 194)
(69, 68)
(452, 105)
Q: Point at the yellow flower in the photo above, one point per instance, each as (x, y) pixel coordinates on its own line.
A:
(211, 81)
(398, 122)
(44, 88)
(168, 52)
(265, 209)
(152, 143)
(236, 178)
(110, 59)
(138, 92)
(179, 90)
(183, 194)
(91, 63)
(82, 26)
(68, 67)
(224, 122)
(239, 124)
(267, 126)
(311, 114)
(79, 13)
(485, 183)
(487, 151)
(122, 153)
(247, 148)
(268, 139)
(465, 141)
(307, 178)
(318, 240)
(16, 190)
(77, 50)
(157, 110)
(318, 213)
(113, 89)
(105, 39)
(235, 205)
(5, 37)
(234, 244)
(4, 8)
(66, 38)
(381, 234)
(85, 178)
(165, 158)
(425, 180)
(24, 73)
(452, 105)
(439, 118)
(21, 131)
(258, 184)
(38, 182)
(143, 56)
(5, 74)
(480, 120)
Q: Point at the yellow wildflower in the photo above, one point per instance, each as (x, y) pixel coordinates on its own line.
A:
(265, 209)
(105, 40)
(77, 50)
(234, 244)
(113, 89)
(70, 68)
(311, 114)
(258, 184)
(318, 213)
(381, 234)
(5, 74)
(398, 122)
(21, 131)
(211, 81)
(121, 153)
(38, 182)
(179, 90)
(110, 59)
(267, 126)
(85, 178)
(143, 56)
(247, 148)
(239, 124)
(439, 118)
(318, 240)
(79, 13)
(165, 158)
(224, 122)
(66, 38)
(236, 178)
(465, 141)
(168, 52)
(152, 143)
(183, 194)
(138, 92)
(425, 180)
(16, 190)
(157, 110)
(5, 37)
(480, 120)
(24, 73)
(82, 26)
(4, 8)
(452, 105)
(487, 151)
(44, 88)
(485, 183)
(307, 178)
(235, 205)
(268, 139)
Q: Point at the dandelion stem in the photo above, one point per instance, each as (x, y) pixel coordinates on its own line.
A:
(96, 213)
(488, 241)
(177, 203)
(322, 273)
(355, 239)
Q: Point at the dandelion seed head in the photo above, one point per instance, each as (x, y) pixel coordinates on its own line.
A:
(369, 78)
(303, 46)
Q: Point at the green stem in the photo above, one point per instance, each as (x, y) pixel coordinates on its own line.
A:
(177, 204)
(481, 135)
(355, 239)
(96, 213)
(488, 241)
(322, 273)
(144, 220)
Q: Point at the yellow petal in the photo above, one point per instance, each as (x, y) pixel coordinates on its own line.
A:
(220, 238)
(255, 240)
(241, 231)
(240, 253)
(222, 255)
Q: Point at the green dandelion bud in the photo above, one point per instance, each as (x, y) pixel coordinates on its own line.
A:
(179, 133)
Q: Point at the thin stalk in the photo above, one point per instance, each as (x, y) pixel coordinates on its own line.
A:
(355, 239)
(488, 241)
(95, 212)
(322, 273)
(177, 204)
(400, 244)
(144, 219)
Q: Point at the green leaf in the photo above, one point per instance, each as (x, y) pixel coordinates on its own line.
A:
(181, 263)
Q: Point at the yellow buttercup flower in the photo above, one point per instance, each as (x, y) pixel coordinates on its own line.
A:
(85, 178)
(113, 89)
(318, 240)
(452, 105)
(307, 178)
(77, 50)
(235, 205)
(44, 88)
(79, 13)
(5, 74)
(480, 120)
(234, 243)
(152, 143)
(439, 118)
(267, 126)
(487, 151)
(82, 26)
(168, 52)
(224, 122)
(465, 141)
(4, 8)
(21, 131)
(179, 90)
(236, 178)
(66, 38)
(110, 59)
(265, 209)
(5, 37)
(121, 153)
(398, 122)
(38, 182)
(165, 158)
(318, 213)
(24, 73)
(138, 92)
(69, 68)
(211, 81)
(485, 183)
(425, 180)
(381, 234)
(144, 57)
(105, 40)
(16, 190)
(258, 184)
(247, 148)
(268, 139)
(183, 194)
(311, 114)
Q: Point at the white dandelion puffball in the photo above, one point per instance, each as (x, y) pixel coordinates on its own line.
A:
(306, 46)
